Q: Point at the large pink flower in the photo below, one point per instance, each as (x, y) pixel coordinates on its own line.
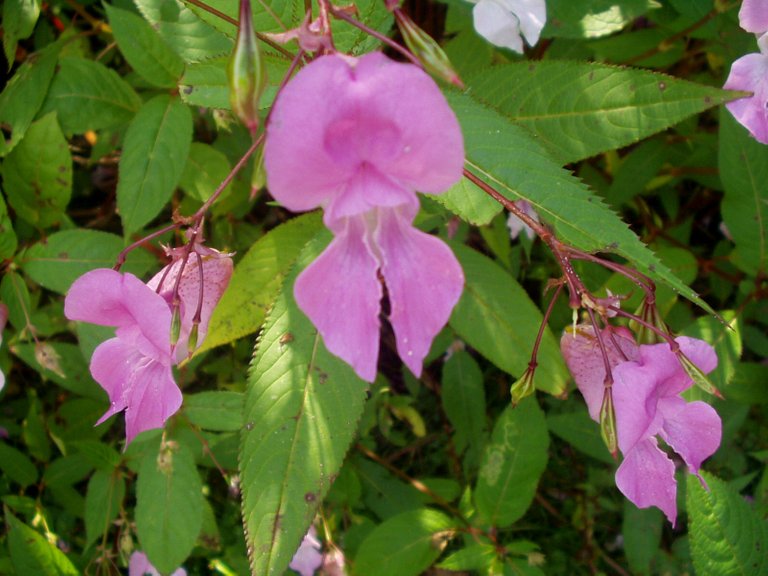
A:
(359, 137)
(753, 16)
(135, 367)
(647, 383)
(750, 73)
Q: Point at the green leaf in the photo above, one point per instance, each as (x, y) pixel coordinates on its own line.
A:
(34, 433)
(352, 40)
(302, 406)
(727, 537)
(206, 84)
(154, 155)
(743, 163)
(103, 498)
(38, 174)
(19, 19)
(62, 257)
(219, 411)
(641, 529)
(183, 30)
(497, 318)
(406, 544)
(463, 399)
(582, 108)
(256, 280)
(206, 168)
(8, 240)
(73, 371)
(143, 48)
(25, 93)
(89, 96)
(467, 200)
(32, 554)
(513, 464)
(17, 466)
(592, 18)
(509, 159)
(581, 432)
(169, 505)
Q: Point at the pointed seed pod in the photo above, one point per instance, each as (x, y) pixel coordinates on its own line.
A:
(175, 325)
(246, 72)
(699, 378)
(523, 387)
(608, 423)
(192, 342)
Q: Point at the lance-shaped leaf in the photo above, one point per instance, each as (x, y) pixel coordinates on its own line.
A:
(31, 553)
(508, 158)
(581, 109)
(154, 155)
(301, 411)
(19, 19)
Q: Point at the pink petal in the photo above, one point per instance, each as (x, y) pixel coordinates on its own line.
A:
(753, 16)
(112, 366)
(750, 73)
(424, 281)
(668, 372)
(140, 565)
(647, 478)
(341, 295)
(693, 430)
(308, 557)
(585, 361)
(635, 401)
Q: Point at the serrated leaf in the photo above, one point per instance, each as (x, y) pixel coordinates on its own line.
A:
(302, 406)
(352, 40)
(38, 174)
(143, 48)
(169, 505)
(32, 554)
(582, 108)
(256, 280)
(512, 464)
(406, 544)
(592, 18)
(89, 96)
(64, 256)
(19, 19)
(155, 152)
(17, 466)
(743, 164)
(103, 498)
(509, 159)
(498, 319)
(220, 411)
(469, 202)
(191, 38)
(463, 398)
(206, 168)
(727, 537)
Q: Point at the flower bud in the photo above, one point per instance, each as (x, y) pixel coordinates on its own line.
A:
(246, 72)
(175, 325)
(650, 315)
(523, 387)
(608, 423)
(426, 50)
(193, 335)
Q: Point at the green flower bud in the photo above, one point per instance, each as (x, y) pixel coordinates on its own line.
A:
(193, 335)
(175, 325)
(246, 72)
(523, 387)
(608, 423)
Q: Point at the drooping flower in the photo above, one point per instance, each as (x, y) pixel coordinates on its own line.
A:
(359, 137)
(753, 16)
(750, 73)
(308, 558)
(506, 22)
(647, 383)
(139, 565)
(135, 367)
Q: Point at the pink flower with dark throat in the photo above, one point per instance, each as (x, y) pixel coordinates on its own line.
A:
(359, 137)
(135, 367)
(647, 383)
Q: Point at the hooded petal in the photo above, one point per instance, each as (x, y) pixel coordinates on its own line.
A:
(693, 430)
(424, 281)
(341, 295)
(753, 16)
(750, 73)
(647, 478)
(585, 360)
(668, 372)
(635, 402)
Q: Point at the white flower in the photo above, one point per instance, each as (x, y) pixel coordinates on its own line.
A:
(506, 22)
(516, 226)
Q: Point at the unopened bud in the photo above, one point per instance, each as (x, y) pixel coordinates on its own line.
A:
(246, 72)
(523, 387)
(652, 319)
(608, 423)
(175, 325)
(193, 335)
(426, 50)
(698, 377)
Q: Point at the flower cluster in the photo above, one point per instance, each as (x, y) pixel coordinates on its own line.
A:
(506, 22)
(750, 73)
(647, 383)
(135, 367)
(368, 132)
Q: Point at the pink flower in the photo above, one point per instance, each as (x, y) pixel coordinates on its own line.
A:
(648, 381)
(359, 137)
(753, 16)
(750, 73)
(139, 565)
(308, 557)
(135, 367)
